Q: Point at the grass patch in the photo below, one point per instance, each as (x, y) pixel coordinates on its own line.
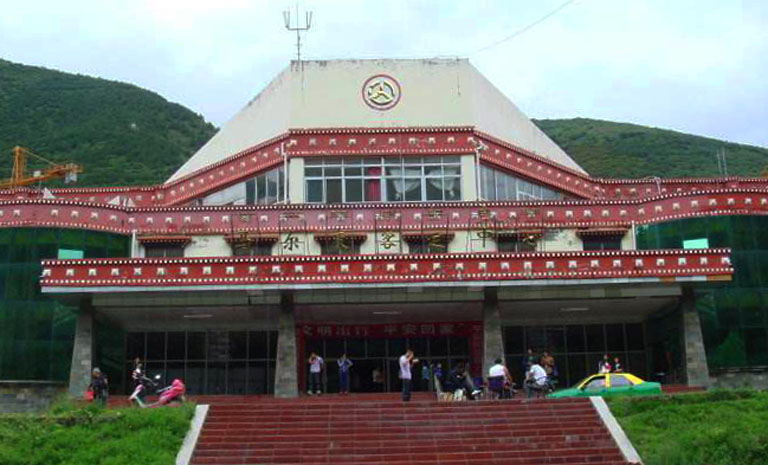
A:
(75, 435)
(712, 428)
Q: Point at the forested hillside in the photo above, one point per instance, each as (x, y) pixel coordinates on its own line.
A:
(621, 150)
(120, 133)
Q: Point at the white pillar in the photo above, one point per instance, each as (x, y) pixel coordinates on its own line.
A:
(468, 178)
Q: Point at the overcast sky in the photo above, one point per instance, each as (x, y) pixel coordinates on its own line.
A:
(698, 66)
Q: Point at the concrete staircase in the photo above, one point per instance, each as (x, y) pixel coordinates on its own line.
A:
(382, 430)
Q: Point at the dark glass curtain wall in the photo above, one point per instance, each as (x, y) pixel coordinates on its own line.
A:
(36, 333)
(733, 315)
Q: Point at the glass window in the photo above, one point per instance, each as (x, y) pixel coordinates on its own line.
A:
(459, 346)
(577, 368)
(620, 381)
(196, 345)
(237, 377)
(756, 346)
(333, 191)
(353, 189)
(437, 244)
(575, 338)
(419, 347)
(216, 378)
(260, 249)
(595, 338)
(555, 339)
(272, 344)
(516, 244)
(513, 339)
(314, 190)
(355, 347)
(487, 183)
(498, 185)
(266, 188)
(163, 250)
(135, 345)
(377, 347)
(238, 345)
(635, 336)
(334, 347)
(615, 337)
(223, 366)
(176, 346)
(155, 346)
(258, 378)
(250, 192)
(412, 179)
(601, 242)
(596, 384)
(396, 347)
(195, 380)
(258, 343)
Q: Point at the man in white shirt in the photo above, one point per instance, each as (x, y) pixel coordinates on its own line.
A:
(535, 379)
(316, 365)
(406, 361)
(499, 379)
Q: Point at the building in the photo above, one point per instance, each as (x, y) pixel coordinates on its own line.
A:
(366, 206)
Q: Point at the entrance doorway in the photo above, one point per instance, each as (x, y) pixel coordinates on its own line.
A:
(379, 351)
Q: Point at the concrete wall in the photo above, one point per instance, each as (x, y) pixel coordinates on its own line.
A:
(560, 240)
(557, 240)
(740, 379)
(494, 113)
(628, 241)
(208, 246)
(28, 396)
(469, 178)
(305, 245)
(296, 180)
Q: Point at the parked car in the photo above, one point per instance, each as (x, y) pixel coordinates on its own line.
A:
(611, 384)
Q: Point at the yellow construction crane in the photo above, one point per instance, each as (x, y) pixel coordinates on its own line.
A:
(19, 176)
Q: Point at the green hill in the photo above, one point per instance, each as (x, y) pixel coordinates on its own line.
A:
(621, 150)
(120, 133)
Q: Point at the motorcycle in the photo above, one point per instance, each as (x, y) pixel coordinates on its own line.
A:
(173, 394)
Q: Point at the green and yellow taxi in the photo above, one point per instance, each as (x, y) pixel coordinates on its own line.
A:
(610, 384)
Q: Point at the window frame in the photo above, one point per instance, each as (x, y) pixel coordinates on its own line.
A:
(386, 174)
(165, 249)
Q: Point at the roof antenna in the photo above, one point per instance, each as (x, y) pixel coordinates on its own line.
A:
(298, 28)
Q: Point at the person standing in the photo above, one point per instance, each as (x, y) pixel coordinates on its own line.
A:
(316, 365)
(378, 380)
(605, 365)
(617, 368)
(406, 362)
(344, 366)
(426, 375)
(528, 361)
(99, 386)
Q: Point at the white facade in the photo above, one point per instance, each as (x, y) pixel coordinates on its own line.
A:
(329, 94)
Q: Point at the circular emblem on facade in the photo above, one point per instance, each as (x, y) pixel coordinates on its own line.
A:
(381, 92)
